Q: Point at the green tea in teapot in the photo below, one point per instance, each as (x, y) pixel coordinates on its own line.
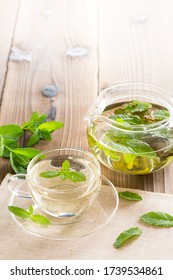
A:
(132, 137)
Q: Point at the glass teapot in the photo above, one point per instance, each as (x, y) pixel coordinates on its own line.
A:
(130, 128)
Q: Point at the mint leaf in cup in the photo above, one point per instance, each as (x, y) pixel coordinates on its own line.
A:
(159, 219)
(65, 173)
(130, 195)
(160, 114)
(126, 235)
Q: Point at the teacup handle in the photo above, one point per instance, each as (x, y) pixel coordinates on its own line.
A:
(16, 183)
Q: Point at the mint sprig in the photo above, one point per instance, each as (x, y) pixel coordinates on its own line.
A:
(65, 173)
(11, 136)
(22, 213)
(39, 128)
(130, 195)
(126, 235)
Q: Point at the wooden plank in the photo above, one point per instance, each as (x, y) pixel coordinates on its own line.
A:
(135, 44)
(45, 33)
(7, 25)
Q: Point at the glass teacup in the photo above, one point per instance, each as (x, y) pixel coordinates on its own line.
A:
(64, 197)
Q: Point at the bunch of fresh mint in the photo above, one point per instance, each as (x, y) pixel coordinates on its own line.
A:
(11, 136)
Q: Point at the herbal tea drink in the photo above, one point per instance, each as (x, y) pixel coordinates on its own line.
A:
(130, 128)
(64, 182)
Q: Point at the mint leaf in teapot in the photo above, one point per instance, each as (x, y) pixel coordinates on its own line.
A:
(131, 119)
(136, 107)
(130, 195)
(126, 235)
(65, 173)
(159, 219)
(160, 114)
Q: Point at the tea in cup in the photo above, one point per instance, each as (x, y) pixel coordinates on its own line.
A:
(62, 182)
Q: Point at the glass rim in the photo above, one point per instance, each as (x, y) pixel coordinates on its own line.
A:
(96, 162)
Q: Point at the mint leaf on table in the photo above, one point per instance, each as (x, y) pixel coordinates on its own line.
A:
(12, 131)
(11, 134)
(34, 139)
(126, 235)
(130, 195)
(18, 167)
(35, 120)
(1, 145)
(50, 126)
(159, 219)
(160, 114)
(39, 128)
(20, 158)
(27, 152)
(22, 213)
(64, 173)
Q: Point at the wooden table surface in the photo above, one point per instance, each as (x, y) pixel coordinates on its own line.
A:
(81, 47)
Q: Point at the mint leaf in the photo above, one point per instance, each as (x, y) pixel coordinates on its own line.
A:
(136, 106)
(20, 212)
(46, 135)
(20, 159)
(124, 236)
(50, 126)
(160, 114)
(11, 131)
(39, 128)
(26, 152)
(40, 219)
(130, 195)
(130, 119)
(1, 145)
(30, 209)
(34, 121)
(140, 148)
(64, 173)
(34, 139)
(157, 219)
(65, 165)
(17, 167)
(50, 174)
(75, 176)
(129, 158)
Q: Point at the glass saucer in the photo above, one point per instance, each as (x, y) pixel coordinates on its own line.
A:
(95, 217)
